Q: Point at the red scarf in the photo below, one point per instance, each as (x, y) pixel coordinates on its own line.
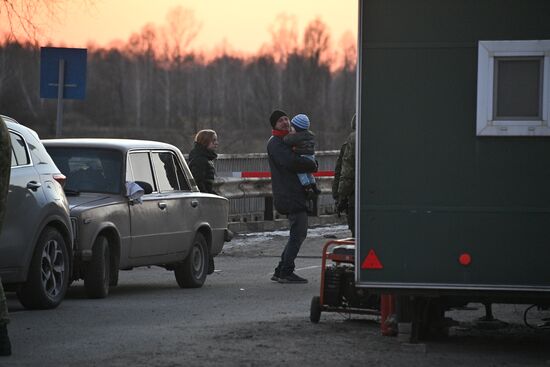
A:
(279, 133)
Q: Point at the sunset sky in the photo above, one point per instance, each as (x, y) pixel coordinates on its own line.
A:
(243, 24)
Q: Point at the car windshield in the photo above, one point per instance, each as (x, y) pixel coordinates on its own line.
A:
(89, 169)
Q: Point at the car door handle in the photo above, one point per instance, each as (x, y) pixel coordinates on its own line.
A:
(33, 185)
(162, 205)
(194, 203)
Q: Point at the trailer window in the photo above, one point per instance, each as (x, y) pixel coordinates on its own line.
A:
(513, 88)
(517, 88)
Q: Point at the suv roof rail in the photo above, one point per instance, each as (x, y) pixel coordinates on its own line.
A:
(7, 118)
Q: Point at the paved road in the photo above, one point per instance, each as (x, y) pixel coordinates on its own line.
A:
(241, 318)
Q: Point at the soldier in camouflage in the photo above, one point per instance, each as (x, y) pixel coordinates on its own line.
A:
(346, 180)
(337, 171)
(5, 164)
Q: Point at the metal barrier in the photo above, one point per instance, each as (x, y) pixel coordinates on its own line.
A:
(250, 198)
(259, 189)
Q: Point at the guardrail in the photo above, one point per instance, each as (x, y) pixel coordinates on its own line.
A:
(250, 188)
(251, 198)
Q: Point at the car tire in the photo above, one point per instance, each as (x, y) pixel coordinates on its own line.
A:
(191, 273)
(113, 274)
(49, 272)
(97, 276)
(113, 279)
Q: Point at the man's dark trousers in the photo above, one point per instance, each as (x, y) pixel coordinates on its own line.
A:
(298, 233)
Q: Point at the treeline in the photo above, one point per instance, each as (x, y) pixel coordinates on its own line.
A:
(152, 88)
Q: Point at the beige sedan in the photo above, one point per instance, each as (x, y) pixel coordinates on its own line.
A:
(135, 203)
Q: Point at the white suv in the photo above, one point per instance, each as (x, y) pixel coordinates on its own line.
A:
(36, 238)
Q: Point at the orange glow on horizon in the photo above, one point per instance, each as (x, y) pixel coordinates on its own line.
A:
(238, 25)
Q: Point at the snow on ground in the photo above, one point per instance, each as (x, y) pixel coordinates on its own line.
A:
(246, 239)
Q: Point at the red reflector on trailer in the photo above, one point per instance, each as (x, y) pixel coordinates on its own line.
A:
(371, 261)
(465, 259)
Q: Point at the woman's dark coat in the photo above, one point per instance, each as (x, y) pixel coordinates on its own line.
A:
(201, 163)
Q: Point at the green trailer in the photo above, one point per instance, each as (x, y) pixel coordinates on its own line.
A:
(453, 147)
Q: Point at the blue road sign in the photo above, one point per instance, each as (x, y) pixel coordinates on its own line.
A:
(74, 75)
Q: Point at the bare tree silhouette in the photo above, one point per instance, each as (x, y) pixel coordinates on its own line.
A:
(22, 16)
(180, 31)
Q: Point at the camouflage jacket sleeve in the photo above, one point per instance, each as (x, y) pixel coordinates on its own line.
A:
(346, 185)
(337, 171)
(5, 166)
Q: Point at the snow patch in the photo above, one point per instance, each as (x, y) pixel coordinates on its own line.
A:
(247, 239)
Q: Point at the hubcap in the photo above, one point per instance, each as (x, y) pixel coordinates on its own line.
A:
(52, 268)
(198, 261)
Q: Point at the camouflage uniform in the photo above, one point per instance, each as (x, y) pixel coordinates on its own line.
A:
(346, 184)
(337, 171)
(5, 164)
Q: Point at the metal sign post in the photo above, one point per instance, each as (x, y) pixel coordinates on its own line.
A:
(60, 84)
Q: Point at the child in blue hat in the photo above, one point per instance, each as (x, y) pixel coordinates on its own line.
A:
(302, 141)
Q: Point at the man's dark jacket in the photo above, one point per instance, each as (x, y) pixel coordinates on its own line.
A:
(201, 164)
(289, 195)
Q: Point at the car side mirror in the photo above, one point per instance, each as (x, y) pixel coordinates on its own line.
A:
(147, 188)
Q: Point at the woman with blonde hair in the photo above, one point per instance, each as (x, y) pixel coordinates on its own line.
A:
(201, 160)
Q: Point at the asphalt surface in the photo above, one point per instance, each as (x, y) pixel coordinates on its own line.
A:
(241, 318)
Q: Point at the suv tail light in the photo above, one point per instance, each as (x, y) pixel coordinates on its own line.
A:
(60, 178)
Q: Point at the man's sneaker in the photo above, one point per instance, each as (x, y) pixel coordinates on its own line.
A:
(292, 278)
(276, 275)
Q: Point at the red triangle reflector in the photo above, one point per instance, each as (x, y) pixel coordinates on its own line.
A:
(371, 261)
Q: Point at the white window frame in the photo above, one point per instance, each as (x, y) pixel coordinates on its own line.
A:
(487, 51)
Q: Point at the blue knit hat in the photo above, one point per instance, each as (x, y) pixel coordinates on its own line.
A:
(300, 121)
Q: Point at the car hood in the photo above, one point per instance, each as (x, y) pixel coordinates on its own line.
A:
(89, 200)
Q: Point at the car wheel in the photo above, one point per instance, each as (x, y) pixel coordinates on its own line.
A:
(113, 274)
(113, 281)
(191, 273)
(48, 277)
(96, 278)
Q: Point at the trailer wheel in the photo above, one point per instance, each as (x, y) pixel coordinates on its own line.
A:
(315, 309)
